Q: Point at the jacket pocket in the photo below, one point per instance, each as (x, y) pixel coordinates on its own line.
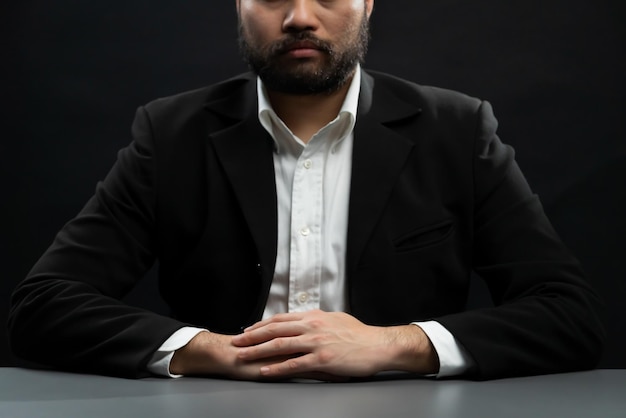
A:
(425, 236)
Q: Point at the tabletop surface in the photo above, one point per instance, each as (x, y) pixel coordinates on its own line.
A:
(32, 393)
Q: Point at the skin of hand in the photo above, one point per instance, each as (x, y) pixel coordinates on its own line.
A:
(214, 354)
(321, 345)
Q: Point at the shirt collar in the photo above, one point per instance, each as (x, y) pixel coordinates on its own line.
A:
(348, 109)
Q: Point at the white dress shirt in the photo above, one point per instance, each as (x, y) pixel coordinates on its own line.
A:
(313, 189)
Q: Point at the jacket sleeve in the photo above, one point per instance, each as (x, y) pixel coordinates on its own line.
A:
(67, 312)
(545, 317)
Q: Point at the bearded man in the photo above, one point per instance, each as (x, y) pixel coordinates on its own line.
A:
(310, 219)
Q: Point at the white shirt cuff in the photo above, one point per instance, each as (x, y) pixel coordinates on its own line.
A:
(454, 360)
(159, 364)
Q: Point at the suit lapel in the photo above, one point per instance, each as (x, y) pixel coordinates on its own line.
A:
(245, 151)
(379, 155)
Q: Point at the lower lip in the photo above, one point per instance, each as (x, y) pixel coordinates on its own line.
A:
(303, 53)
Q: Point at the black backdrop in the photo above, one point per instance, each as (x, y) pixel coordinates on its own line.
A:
(73, 73)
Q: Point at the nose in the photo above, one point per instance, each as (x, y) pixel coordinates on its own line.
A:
(300, 16)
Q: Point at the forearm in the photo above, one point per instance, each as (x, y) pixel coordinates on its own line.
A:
(69, 325)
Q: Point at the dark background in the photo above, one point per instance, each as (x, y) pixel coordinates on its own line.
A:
(73, 73)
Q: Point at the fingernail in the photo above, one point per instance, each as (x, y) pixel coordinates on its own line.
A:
(265, 370)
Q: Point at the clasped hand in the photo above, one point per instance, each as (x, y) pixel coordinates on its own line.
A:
(329, 346)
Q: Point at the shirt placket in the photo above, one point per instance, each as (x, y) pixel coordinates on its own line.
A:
(306, 230)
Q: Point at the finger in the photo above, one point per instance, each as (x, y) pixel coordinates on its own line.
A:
(277, 375)
(286, 346)
(267, 333)
(282, 317)
(292, 367)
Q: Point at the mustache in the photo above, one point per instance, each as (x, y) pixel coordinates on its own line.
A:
(284, 45)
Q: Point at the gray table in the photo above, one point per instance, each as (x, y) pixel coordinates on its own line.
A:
(41, 394)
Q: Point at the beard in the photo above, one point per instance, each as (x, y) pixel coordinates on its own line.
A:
(304, 77)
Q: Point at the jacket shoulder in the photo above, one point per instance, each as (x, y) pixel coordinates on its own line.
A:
(429, 98)
(197, 98)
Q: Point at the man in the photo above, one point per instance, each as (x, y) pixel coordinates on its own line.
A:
(319, 221)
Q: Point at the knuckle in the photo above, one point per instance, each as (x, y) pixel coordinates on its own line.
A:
(271, 328)
(316, 323)
(318, 339)
(293, 364)
(325, 356)
(278, 343)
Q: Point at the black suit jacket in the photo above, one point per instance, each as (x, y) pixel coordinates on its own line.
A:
(434, 196)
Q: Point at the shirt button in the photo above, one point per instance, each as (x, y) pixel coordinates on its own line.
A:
(305, 231)
(307, 164)
(303, 297)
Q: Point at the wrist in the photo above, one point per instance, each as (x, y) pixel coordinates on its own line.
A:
(412, 350)
(202, 355)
